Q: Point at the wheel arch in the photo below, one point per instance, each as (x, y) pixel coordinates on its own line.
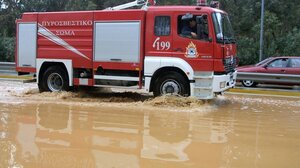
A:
(165, 70)
(44, 64)
(155, 65)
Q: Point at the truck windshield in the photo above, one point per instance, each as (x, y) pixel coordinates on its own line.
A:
(223, 28)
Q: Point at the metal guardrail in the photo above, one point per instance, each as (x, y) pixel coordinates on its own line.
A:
(7, 67)
(267, 77)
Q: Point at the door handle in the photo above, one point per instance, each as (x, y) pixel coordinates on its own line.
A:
(282, 70)
(113, 59)
(178, 50)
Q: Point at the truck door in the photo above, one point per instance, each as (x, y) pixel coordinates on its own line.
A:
(196, 49)
(159, 34)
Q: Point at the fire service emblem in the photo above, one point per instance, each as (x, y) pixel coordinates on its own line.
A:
(191, 51)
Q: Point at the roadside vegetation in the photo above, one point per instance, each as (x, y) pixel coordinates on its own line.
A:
(281, 36)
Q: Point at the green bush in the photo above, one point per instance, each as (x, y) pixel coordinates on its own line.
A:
(7, 49)
(247, 50)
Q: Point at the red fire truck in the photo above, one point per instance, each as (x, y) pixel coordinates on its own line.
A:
(185, 50)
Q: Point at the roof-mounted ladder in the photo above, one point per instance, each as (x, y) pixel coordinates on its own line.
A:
(143, 3)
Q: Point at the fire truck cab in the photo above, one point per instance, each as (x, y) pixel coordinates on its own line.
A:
(185, 50)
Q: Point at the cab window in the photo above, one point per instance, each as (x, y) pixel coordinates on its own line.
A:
(162, 26)
(193, 26)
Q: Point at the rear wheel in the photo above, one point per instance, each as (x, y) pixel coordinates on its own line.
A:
(172, 83)
(249, 83)
(54, 79)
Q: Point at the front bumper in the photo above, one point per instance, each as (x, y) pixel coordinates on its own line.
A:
(206, 84)
(224, 82)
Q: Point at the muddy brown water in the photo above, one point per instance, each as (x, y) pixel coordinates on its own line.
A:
(133, 130)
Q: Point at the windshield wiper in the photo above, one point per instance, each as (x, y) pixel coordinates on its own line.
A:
(226, 40)
(232, 40)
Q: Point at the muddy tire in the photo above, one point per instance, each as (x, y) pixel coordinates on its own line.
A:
(172, 83)
(54, 79)
(249, 83)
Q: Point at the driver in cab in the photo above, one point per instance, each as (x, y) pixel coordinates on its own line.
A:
(190, 28)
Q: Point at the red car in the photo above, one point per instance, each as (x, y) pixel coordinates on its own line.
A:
(273, 70)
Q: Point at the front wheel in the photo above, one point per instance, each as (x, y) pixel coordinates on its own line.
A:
(249, 83)
(54, 79)
(172, 83)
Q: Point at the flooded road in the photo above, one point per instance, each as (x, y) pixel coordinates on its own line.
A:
(134, 130)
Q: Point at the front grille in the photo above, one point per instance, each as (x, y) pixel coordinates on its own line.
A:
(230, 64)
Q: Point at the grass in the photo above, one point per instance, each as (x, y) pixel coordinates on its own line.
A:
(15, 77)
(266, 92)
